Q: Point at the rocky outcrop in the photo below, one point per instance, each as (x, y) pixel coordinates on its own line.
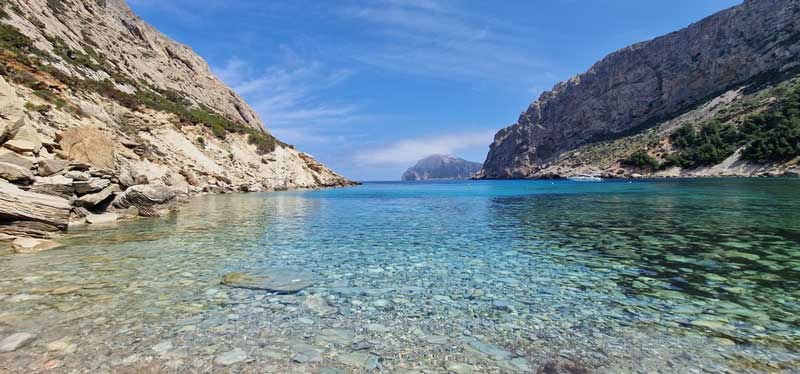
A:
(441, 167)
(100, 113)
(19, 205)
(647, 83)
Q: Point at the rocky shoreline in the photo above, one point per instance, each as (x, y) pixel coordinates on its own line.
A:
(46, 187)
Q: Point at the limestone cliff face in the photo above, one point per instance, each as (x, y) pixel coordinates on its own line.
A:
(102, 114)
(95, 63)
(647, 83)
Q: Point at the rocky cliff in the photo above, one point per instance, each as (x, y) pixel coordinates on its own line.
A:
(441, 167)
(726, 56)
(102, 112)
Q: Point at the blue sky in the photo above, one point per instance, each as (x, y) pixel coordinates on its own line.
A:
(369, 87)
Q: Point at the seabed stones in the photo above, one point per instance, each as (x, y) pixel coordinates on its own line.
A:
(13, 342)
(282, 281)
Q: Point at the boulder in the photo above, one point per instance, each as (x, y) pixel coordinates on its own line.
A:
(11, 157)
(14, 173)
(90, 145)
(30, 229)
(92, 199)
(91, 185)
(57, 185)
(26, 139)
(98, 219)
(17, 204)
(31, 245)
(50, 167)
(143, 196)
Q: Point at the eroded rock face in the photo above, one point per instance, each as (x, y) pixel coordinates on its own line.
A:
(16, 204)
(648, 82)
(90, 145)
(112, 128)
(144, 196)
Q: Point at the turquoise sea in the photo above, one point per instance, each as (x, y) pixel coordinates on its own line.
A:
(669, 276)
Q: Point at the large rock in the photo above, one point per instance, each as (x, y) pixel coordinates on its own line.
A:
(57, 185)
(17, 204)
(642, 84)
(26, 139)
(143, 196)
(90, 145)
(14, 173)
(11, 157)
(274, 280)
(92, 199)
(50, 167)
(31, 229)
(91, 185)
(31, 245)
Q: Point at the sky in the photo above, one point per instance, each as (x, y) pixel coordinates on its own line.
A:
(370, 87)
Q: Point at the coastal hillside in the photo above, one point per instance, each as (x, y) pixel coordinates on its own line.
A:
(97, 106)
(441, 167)
(719, 97)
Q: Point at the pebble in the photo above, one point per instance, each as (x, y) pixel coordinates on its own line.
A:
(458, 368)
(162, 347)
(231, 357)
(305, 353)
(15, 341)
(355, 359)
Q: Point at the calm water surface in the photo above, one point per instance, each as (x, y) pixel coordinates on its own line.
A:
(676, 276)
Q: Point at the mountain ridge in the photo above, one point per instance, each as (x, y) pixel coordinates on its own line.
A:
(645, 84)
(438, 166)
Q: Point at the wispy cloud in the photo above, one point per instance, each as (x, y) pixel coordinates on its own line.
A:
(290, 97)
(435, 37)
(411, 150)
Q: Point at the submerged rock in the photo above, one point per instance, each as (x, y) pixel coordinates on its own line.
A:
(231, 357)
(15, 341)
(275, 280)
(31, 245)
(304, 353)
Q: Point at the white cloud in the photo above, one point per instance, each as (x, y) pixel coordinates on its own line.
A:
(290, 97)
(411, 150)
(439, 38)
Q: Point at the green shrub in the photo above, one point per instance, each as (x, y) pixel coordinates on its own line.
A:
(641, 159)
(264, 143)
(710, 145)
(774, 135)
(39, 108)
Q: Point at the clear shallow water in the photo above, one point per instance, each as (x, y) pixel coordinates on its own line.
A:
(501, 277)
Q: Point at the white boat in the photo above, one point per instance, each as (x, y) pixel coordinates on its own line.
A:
(586, 178)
